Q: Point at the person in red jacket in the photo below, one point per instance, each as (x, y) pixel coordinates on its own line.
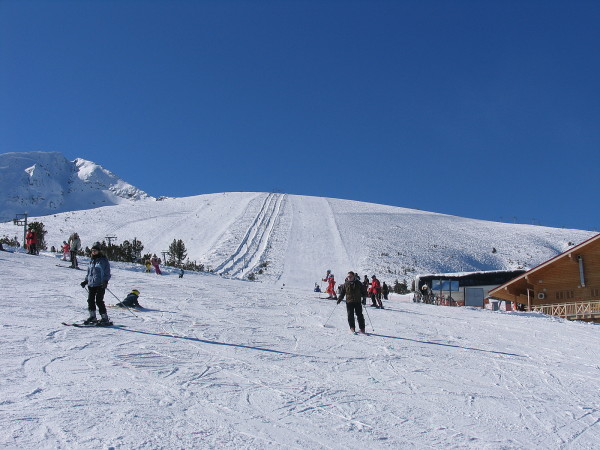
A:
(31, 241)
(376, 292)
(330, 285)
(66, 248)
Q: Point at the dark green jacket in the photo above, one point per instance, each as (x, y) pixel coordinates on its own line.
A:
(352, 290)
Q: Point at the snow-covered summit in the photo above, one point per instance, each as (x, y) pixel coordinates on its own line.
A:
(42, 183)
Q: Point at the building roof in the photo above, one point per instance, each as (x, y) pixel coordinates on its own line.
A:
(521, 280)
(481, 278)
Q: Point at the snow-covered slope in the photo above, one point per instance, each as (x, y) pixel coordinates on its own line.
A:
(293, 239)
(41, 183)
(218, 363)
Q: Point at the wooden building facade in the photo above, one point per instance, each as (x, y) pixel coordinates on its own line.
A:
(567, 285)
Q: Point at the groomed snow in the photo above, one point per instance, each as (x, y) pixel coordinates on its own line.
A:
(222, 363)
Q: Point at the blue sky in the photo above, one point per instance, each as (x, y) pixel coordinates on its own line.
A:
(482, 109)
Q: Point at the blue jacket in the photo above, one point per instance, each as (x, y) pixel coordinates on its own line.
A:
(98, 271)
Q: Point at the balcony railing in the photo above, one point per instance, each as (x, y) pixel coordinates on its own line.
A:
(585, 310)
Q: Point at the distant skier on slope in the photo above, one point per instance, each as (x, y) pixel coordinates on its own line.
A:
(75, 246)
(385, 290)
(367, 289)
(330, 285)
(353, 290)
(376, 292)
(155, 261)
(97, 278)
(66, 248)
(31, 240)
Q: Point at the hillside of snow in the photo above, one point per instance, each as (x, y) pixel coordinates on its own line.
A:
(214, 362)
(293, 239)
(41, 183)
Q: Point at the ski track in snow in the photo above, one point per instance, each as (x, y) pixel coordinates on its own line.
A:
(254, 243)
(223, 363)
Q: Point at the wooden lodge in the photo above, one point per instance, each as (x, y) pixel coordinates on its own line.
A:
(567, 285)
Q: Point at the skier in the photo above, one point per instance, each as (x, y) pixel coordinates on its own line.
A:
(317, 288)
(330, 285)
(66, 250)
(148, 265)
(74, 247)
(352, 289)
(366, 290)
(31, 241)
(376, 292)
(385, 290)
(426, 294)
(131, 301)
(155, 262)
(181, 272)
(97, 278)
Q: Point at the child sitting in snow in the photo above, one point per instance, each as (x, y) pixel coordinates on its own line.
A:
(131, 301)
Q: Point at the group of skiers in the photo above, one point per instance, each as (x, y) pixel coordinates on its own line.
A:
(356, 293)
(31, 241)
(69, 248)
(154, 262)
(373, 289)
(98, 275)
(96, 279)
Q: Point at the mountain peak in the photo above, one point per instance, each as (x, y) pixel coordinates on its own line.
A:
(42, 183)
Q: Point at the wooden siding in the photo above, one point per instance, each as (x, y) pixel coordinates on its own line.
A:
(558, 279)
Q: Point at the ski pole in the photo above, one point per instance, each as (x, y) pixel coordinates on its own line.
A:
(126, 307)
(332, 311)
(369, 319)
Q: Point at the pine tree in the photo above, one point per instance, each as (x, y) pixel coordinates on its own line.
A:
(177, 252)
(400, 288)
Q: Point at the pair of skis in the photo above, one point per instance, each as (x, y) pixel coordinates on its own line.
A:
(92, 325)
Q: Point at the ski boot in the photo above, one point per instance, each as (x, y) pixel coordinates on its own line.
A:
(104, 321)
(91, 320)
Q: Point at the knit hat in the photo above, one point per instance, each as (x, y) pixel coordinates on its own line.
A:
(136, 292)
(96, 246)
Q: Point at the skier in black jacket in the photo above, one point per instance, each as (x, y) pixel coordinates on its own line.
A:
(353, 290)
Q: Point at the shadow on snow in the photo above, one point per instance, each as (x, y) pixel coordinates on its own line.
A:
(204, 341)
(448, 345)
